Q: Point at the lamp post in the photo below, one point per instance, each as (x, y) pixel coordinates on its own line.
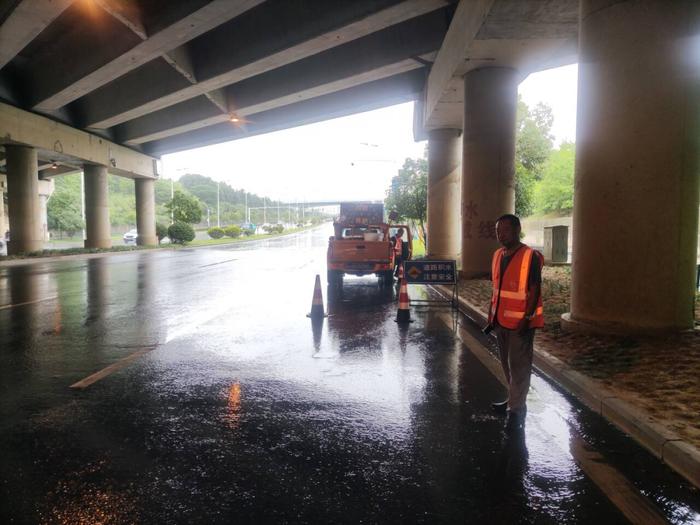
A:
(218, 215)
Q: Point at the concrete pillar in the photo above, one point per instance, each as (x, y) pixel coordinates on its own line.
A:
(3, 188)
(636, 184)
(98, 232)
(444, 193)
(23, 200)
(488, 162)
(145, 212)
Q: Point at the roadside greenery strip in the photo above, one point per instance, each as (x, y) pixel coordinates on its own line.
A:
(131, 248)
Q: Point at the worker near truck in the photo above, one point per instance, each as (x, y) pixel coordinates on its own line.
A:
(398, 251)
(514, 313)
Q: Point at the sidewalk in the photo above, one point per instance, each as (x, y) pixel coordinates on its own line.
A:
(648, 387)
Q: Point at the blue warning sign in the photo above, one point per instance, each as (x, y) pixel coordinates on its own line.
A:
(430, 271)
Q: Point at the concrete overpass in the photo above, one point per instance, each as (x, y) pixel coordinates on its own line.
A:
(109, 85)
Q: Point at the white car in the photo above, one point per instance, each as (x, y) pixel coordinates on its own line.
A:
(130, 237)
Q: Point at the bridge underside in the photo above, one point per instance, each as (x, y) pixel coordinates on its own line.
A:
(158, 76)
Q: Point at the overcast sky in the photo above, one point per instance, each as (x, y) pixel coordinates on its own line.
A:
(350, 158)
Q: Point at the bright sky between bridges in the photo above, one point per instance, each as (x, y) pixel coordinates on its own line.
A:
(349, 158)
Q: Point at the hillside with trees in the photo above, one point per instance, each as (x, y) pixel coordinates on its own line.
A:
(64, 209)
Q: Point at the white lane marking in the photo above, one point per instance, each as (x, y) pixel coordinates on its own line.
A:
(114, 367)
(6, 306)
(619, 490)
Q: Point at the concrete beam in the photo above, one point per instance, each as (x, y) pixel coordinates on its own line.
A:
(525, 35)
(381, 93)
(21, 127)
(64, 87)
(28, 19)
(466, 23)
(380, 55)
(255, 43)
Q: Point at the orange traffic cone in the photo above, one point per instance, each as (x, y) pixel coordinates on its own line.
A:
(317, 301)
(404, 313)
(400, 272)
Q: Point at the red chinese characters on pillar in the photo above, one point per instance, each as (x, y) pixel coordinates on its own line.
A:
(487, 230)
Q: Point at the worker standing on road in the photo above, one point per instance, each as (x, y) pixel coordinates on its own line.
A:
(398, 251)
(515, 312)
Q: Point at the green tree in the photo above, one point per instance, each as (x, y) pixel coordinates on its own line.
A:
(554, 193)
(185, 208)
(408, 195)
(533, 145)
(64, 206)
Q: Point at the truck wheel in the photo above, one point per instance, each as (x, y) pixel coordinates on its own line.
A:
(335, 279)
(387, 278)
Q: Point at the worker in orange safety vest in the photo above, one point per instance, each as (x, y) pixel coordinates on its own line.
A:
(514, 313)
(398, 251)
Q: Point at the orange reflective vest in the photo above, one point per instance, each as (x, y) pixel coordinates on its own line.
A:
(508, 305)
(398, 248)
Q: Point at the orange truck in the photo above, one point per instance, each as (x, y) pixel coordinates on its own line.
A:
(364, 244)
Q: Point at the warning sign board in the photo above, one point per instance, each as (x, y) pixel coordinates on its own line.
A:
(430, 271)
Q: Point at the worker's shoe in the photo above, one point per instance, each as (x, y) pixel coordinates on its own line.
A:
(500, 406)
(515, 421)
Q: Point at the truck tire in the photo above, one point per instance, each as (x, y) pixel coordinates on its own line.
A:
(387, 278)
(335, 279)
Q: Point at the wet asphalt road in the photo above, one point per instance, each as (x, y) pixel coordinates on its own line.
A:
(234, 408)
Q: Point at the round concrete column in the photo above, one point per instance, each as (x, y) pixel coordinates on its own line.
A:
(145, 212)
(636, 185)
(98, 231)
(23, 200)
(488, 162)
(444, 196)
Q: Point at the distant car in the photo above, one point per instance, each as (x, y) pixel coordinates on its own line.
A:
(130, 237)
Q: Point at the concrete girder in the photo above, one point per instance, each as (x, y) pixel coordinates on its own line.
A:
(65, 87)
(243, 50)
(19, 127)
(380, 55)
(380, 93)
(26, 21)
(491, 33)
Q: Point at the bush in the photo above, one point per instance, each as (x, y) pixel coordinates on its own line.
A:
(216, 232)
(248, 232)
(161, 231)
(273, 228)
(181, 233)
(233, 231)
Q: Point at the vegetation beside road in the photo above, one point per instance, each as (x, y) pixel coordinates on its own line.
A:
(128, 248)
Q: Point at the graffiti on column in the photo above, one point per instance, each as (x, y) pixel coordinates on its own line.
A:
(487, 230)
(471, 212)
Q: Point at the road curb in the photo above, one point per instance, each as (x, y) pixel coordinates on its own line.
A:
(167, 247)
(670, 448)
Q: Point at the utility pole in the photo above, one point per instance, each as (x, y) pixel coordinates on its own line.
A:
(247, 213)
(172, 196)
(218, 215)
(264, 210)
(278, 210)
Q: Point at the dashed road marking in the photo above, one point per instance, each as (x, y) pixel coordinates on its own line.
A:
(7, 306)
(114, 367)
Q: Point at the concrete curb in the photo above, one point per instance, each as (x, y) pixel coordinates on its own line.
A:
(670, 448)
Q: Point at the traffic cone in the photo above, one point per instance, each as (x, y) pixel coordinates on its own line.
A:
(400, 272)
(404, 313)
(317, 301)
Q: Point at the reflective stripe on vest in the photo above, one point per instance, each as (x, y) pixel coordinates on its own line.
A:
(513, 289)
